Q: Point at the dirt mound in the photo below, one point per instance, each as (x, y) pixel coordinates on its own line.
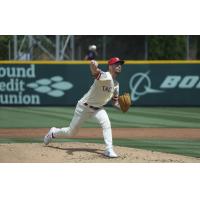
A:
(81, 153)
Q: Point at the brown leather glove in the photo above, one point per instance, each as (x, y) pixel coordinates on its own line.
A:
(124, 102)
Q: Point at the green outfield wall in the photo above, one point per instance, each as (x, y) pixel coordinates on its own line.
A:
(150, 83)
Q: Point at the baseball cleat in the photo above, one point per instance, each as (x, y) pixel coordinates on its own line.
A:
(49, 136)
(110, 153)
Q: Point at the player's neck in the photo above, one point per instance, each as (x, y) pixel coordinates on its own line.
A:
(113, 74)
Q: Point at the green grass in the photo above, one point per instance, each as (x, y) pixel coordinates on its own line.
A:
(182, 147)
(137, 117)
(41, 117)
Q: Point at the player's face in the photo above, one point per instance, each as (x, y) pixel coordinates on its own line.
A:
(117, 67)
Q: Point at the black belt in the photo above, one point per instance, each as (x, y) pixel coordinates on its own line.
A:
(95, 108)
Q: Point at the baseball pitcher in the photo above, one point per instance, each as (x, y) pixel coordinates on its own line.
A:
(104, 89)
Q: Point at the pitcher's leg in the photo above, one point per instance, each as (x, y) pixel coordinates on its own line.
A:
(104, 121)
(73, 128)
(80, 115)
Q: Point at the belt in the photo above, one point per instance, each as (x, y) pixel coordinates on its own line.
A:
(95, 108)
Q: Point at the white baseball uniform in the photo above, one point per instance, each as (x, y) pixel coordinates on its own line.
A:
(91, 104)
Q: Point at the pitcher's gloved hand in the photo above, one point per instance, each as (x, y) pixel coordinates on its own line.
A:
(124, 102)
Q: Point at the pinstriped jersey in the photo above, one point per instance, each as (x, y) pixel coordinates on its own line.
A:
(102, 91)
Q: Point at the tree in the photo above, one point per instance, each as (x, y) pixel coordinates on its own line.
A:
(167, 47)
(4, 41)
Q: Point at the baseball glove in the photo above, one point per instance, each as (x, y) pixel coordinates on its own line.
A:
(124, 102)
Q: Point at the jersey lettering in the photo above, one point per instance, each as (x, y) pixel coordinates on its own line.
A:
(101, 91)
(107, 89)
